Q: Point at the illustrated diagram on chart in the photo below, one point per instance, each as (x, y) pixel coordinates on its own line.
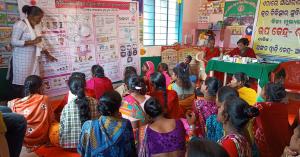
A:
(56, 85)
(128, 51)
(112, 70)
(106, 38)
(79, 28)
(83, 33)
(61, 66)
(83, 57)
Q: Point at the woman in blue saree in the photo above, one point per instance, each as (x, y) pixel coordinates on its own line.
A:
(110, 135)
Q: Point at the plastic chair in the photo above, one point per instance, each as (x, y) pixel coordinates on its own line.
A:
(293, 112)
(275, 129)
(292, 76)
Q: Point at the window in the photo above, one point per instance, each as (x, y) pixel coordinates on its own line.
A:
(161, 22)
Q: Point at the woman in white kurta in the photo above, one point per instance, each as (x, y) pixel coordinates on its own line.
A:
(27, 46)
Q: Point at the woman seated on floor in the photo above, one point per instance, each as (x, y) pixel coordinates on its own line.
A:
(128, 71)
(132, 107)
(99, 83)
(207, 106)
(78, 110)
(183, 86)
(69, 96)
(168, 99)
(13, 128)
(234, 115)
(110, 135)
(37, 111)
(163, 137)
(273, 94)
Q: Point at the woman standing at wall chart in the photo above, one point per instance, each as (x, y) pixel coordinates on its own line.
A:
(27, 47)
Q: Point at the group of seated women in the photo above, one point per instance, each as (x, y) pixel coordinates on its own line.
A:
(95, 120)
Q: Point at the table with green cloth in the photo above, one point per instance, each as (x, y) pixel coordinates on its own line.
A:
(259, 71)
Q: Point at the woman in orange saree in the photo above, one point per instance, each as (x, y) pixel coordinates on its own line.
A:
(36, 110)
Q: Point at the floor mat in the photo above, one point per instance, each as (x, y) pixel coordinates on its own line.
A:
(55, 152)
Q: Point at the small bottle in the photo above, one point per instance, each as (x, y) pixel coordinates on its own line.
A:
(221, 56)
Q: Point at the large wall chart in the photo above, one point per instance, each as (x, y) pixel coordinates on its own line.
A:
(81, 33)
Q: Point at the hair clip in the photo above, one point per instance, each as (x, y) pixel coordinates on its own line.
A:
(137, 87)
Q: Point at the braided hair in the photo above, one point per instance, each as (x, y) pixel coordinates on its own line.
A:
(159, 82)
(77, 87)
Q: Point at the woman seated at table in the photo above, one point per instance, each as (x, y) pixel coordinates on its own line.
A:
(183, 86)
(240, 82)
(37, 111)
(210, 51)
(243, 50)
(163, 137)
(168, 99)
(110, 135)
(78, 110)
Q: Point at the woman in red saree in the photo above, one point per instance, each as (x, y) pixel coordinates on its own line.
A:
(99, 83)
(167, 98)
(210, 51)
(243, 50)
(36, 110)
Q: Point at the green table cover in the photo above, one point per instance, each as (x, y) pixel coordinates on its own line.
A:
(256, 70)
